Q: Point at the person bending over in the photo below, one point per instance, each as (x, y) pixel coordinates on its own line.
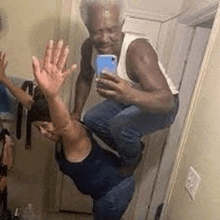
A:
(94, 170)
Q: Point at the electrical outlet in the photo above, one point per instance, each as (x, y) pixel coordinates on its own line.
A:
(192, 182)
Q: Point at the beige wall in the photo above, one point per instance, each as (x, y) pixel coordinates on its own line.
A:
(200, 145)
(29, 25)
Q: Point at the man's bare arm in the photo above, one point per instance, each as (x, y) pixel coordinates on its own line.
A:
(84, 80)
(155, 94)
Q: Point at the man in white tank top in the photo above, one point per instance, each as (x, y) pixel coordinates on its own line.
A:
(140, 99)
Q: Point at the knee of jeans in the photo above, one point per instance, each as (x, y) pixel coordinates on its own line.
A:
(125, 134)
(115, 128)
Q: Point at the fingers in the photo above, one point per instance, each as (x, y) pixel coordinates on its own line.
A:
(2, 56)
(109, 76)
(108, 83)
(109, 94)
(3, 60)
(36, 67)
(55, 56)
(63, 57)
(5, 63)
(70, 70)
(57, 52)
(48, 53)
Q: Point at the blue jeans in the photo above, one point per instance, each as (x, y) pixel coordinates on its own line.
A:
(115, 202)
(122, 126)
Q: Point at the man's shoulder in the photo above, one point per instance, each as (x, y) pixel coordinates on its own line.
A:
(140, 44)
(139, 52)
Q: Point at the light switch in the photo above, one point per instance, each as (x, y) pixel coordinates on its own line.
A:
(192, 182)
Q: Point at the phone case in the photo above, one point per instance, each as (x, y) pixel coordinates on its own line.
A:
(106, 62)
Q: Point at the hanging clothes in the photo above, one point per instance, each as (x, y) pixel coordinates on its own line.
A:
(27, 85)
(6, 163)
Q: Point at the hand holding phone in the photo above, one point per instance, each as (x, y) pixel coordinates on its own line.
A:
(106, 63)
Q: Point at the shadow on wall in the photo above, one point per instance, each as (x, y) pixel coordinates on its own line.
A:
(54, 28)
(3, 23)
(40, 33)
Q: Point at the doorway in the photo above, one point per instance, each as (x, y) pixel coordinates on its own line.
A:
(201, 28)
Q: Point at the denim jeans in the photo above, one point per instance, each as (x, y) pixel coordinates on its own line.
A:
(115, 202)
(122, 126)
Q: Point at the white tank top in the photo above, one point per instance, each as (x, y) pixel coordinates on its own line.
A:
(121, 70)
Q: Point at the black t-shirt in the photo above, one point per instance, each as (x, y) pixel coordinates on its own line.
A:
(95, 175)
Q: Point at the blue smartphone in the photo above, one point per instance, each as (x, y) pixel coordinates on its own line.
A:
(106, 62)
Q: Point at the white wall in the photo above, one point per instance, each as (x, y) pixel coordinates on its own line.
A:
(190, 4)
(159, 9)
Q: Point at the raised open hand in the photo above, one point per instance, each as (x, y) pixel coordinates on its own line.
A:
(51, 76)
(3, 65)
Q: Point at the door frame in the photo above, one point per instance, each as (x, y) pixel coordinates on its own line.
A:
(187, 23)
(191, 18)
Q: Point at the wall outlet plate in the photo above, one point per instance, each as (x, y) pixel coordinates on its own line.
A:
(192, 182)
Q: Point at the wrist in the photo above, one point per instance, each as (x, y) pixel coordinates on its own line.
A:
(131, 96)
(5, 81)
(50, 97)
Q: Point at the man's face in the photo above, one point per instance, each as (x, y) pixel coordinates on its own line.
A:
(104, 29)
